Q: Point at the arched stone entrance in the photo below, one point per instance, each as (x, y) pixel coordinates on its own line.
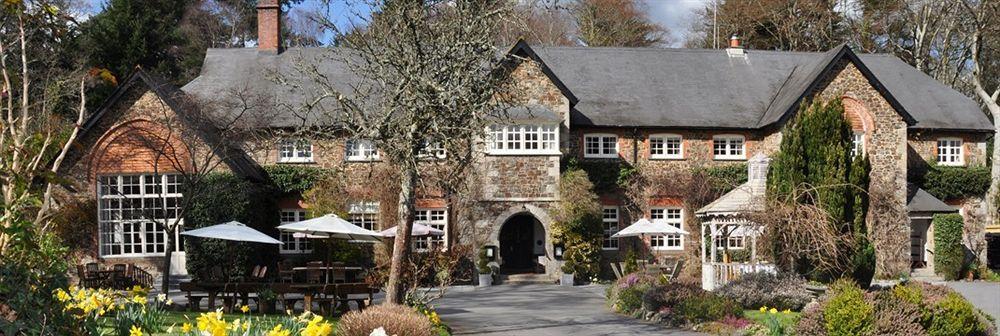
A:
(522, 241)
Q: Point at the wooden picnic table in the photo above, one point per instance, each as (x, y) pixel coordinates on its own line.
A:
(328, 271)
(308, 290)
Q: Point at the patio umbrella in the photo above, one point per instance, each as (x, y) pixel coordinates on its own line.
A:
(644, 226)
(331, 226)
(418, 230)
(234, 231)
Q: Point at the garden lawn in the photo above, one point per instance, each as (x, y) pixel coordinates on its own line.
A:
(788, 320)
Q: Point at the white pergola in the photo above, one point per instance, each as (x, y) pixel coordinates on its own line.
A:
(723, 219)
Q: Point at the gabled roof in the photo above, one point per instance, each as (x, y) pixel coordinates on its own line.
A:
(748, 197)
(921, 201)
(236, 159)
(627, 87)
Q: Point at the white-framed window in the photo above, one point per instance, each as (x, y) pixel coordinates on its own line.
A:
(735, 243)
(949, 152)
(433, 150)
(132, 211)
(600, 146)
(295, 150)
(729, 147)
(666, 146)
(289, 242)
(523, 139)
(610, 218)
(364, 214)
(435, 218)
(361, 150)
(672, 216)
(858, 144)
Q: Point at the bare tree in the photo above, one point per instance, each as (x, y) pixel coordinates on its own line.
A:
(36, 96)
(539, 22)
(982, 31)
(798, 25)
(431, 78)
(617, 23)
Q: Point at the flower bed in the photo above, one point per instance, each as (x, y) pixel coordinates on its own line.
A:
(641, 295)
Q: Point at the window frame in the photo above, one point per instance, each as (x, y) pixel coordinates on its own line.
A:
(300, 215)
(295, 150)
(363, 213)
(728, 139)
(423, 244)
(137, 228)
(676, 222)
(545, 139)
(608, 243)
(665, 156)
(960, 156)
(601, 146)
(360, 154)
(858, 144)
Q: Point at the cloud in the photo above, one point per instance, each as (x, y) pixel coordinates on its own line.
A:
(675, 15)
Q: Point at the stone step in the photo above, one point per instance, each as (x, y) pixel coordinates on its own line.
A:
(526, 278)
(925, 275)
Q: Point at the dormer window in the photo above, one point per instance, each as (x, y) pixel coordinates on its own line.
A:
(600, 146)
(666, 146)
(950, 152)
(361, 150)
(295, 151)
(729, 147)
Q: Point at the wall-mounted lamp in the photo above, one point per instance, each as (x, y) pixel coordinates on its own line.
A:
(491, 252)
(558, 250)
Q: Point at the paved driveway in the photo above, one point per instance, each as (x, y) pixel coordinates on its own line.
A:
(538, 310)
(983, 295)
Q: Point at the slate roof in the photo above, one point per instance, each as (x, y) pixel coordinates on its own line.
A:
(919, 200)
(627, 87)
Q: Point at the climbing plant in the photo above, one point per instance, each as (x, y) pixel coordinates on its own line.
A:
(577, 224)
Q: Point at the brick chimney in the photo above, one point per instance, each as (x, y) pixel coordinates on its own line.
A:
(269, 26)
(734, 41)
(735, 49)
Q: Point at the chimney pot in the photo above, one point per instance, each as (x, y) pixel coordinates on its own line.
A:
(269, 26)
(734, 41)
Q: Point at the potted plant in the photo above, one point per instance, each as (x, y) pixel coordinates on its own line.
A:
(265, 301)
(568, 268)
(485, 271)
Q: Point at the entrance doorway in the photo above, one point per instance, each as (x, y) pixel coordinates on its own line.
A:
(522, 240)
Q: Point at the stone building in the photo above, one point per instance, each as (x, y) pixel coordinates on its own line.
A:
(660, 110)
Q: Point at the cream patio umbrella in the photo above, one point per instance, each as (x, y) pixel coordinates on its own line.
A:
(644, 227)
(234, 231)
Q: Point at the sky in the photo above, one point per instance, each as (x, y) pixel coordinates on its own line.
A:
(675, 15)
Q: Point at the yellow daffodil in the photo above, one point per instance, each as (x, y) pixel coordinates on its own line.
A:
(787, 311)
(161, 297)
(763, 309)
(62, 296)
(773, 311)
(186, 327)
(135, 331)
(245, 309)
(278, 331)
(169, 302)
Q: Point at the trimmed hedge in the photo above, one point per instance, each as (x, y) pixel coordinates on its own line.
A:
(949, 254)
(223, 197)
(950, 183)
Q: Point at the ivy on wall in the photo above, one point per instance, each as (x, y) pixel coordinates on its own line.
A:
(948, 251)
(607, 176)
(951, 183)
(224, 197)
(724, 178)
(294, 178)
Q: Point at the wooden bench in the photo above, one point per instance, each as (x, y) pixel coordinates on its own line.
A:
(194, 299)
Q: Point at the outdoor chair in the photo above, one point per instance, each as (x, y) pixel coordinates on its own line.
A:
(283, 291)
(676, 271)
(261, 274)
(119, 279)
(94, 273)
(359, 292)
(193, 298)
(314, 272)
(285, 272)
(87, 280)
(618, 272)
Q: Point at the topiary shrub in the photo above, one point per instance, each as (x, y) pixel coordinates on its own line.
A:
(395, 319)
(847, 313)
(949, 254)
(781, 291)
(220, 198)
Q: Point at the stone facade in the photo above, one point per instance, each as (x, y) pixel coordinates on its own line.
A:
(506, 186)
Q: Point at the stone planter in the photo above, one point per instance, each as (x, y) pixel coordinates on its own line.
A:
(566, 280)
(266, 306)
(485, 280)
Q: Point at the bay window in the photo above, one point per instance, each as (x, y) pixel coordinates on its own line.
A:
(523, 139)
